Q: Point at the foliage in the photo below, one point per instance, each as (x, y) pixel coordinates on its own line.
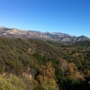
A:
(47, 77)
(70, 62)
(2, 67)
(11, 83)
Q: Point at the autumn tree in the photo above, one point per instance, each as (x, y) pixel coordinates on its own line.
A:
(47, 78)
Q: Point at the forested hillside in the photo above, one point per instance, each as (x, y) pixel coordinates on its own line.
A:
(32, 64)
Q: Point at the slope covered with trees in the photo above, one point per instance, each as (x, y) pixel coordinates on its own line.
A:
(44, 65)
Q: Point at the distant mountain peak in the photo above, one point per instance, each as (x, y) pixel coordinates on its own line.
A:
(2, 27)
(54, 36)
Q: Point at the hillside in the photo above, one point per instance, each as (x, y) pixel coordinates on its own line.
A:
(44, 64)
(53, 36)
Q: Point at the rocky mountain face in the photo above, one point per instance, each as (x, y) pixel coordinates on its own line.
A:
(54, 36)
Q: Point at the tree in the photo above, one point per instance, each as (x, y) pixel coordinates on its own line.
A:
(2, 67)
(11, 83)
(47, 78)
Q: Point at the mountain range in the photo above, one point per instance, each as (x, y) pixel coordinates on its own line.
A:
(53, 36)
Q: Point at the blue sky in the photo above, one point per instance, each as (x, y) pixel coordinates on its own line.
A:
(66, 16)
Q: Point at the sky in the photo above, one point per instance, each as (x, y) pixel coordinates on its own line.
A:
(66, 16)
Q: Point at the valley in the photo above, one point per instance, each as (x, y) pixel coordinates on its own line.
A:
(44, 65)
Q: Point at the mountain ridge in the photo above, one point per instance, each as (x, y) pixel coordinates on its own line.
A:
(53, 36)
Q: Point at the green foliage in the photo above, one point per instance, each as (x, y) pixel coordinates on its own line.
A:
(2, 67)
(11, 83)
(17, 55)
(14, 66)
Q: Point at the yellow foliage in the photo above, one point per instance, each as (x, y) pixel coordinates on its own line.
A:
(11, 83)
(76, 54)
(47, 77)
(88, 72)
(72, 68)
(47, 70)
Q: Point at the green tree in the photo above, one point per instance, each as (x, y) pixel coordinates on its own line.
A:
(11, 83)
(2, 67)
